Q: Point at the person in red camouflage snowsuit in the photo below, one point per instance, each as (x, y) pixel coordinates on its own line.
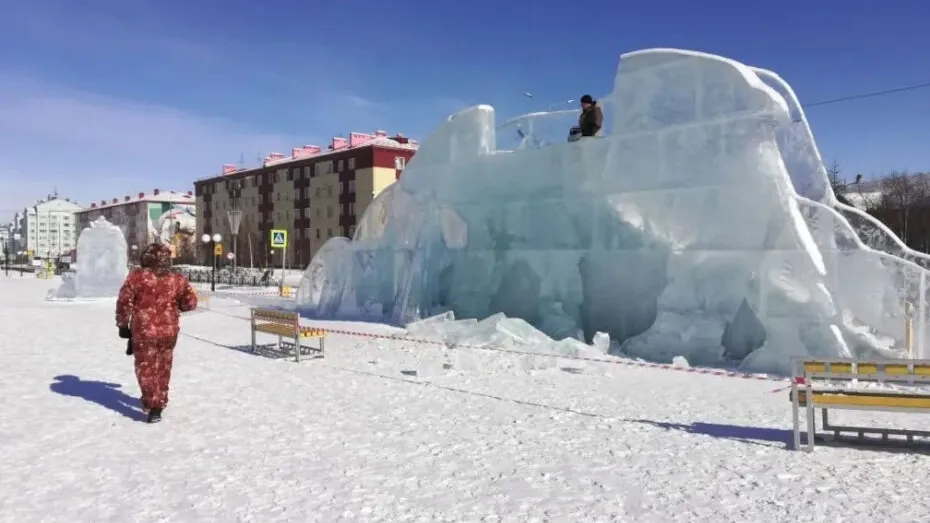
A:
(149, 304)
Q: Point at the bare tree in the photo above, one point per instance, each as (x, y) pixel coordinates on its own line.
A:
(840, 185)
(905, 207)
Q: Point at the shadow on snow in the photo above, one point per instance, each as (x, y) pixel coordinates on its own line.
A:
(105, 394)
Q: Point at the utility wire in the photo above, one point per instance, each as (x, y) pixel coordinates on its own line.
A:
(850, 98)
(869, 95)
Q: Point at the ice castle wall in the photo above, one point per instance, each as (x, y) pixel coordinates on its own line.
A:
(678, 232)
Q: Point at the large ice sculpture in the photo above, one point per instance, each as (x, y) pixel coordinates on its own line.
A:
(678, 233)
(102, 263)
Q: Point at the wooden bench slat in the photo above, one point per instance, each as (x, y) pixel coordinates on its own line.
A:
(866, 399)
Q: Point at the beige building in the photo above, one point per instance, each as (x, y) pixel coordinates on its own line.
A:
(312, 194)
(145, 218)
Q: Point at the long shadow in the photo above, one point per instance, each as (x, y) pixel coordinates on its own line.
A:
(745, 434)
(767, 436)
(102, 393)
(265, 350)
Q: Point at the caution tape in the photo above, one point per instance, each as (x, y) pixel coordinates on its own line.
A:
(613, 361)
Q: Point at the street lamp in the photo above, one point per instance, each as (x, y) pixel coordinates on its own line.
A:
(212, 241)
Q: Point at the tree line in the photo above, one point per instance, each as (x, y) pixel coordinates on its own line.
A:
(899, 199)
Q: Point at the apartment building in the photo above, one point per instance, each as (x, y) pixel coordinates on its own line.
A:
(47, 228)
(314, 194)
(6, 241)
(167, 216)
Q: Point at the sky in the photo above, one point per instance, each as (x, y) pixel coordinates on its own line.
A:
(104, 98)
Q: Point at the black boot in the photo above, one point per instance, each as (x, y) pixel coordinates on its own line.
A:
(154, 415)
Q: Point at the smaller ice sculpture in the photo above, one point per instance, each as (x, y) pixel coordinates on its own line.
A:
(102, 263)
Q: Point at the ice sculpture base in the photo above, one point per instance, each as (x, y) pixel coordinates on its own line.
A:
(102, 263)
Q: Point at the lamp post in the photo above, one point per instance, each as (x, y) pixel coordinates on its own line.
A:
(212, 241)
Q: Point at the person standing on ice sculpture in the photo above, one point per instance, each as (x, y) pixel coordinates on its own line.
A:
(589, 122)
(148, 313)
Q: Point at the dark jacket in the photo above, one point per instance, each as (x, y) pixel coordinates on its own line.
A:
(591, 120)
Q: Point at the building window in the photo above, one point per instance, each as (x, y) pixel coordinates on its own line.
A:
(329, 190)
(317, 234)
(351, 231)
(351, 208)
(339, 166)
(351, 186)
(329, 233)
(329, 211)
(319, 191)
(329, 167)
(351, 163)
(318, 212)
(290, 176)
(400, 162)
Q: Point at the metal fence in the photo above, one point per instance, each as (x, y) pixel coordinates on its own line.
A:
(239, 277)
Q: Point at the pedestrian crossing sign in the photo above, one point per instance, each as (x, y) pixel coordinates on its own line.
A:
(278, 239)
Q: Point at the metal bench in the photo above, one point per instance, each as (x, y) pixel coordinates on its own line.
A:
(285, 325)
(814, 386)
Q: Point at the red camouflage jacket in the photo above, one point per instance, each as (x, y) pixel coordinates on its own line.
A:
(152, 298)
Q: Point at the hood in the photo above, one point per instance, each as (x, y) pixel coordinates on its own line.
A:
(155, 256)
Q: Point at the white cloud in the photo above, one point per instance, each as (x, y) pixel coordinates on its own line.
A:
(92, 147)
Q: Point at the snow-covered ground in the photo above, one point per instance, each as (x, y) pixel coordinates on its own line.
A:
(395, 431)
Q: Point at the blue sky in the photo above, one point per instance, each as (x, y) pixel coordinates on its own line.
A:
(102, 98)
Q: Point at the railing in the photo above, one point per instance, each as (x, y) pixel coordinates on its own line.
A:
(535, 130)
(910, 278)
(879, 236)
(239, 278)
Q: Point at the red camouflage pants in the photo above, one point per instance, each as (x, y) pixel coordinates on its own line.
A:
(153, 359)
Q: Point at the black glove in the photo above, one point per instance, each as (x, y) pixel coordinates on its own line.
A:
(129, 347)
(125, 333)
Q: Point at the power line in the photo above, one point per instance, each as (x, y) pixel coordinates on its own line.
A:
(869, 95)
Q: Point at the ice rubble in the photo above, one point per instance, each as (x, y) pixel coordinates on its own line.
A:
(102, 263)
(679, 233)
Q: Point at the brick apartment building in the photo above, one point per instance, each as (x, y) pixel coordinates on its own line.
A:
(142, 218)
(314, 194)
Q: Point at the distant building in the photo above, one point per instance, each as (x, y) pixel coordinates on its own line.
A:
(313, 194)
(6, 242)
(160, 216)
(47, 228)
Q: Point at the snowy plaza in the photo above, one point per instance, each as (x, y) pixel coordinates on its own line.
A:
(521, 328)
(384, 430)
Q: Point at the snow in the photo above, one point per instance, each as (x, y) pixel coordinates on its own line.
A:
(698, 226)
(384, 430)
(102, 263)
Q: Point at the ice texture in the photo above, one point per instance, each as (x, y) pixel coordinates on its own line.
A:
(679, 233)
(102, 263)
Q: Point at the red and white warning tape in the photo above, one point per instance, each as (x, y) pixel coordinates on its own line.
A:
(613, 361)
